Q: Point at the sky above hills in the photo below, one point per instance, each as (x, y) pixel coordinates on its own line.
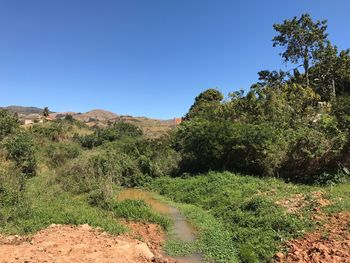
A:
(145, 58)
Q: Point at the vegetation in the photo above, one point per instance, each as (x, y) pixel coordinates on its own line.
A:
(255, 222)
(228, 166)
(286, 125)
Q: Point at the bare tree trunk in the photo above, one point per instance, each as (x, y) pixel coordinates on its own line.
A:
(333, 90)
(306, 67)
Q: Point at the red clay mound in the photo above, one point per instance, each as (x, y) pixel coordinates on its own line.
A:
(329, 245)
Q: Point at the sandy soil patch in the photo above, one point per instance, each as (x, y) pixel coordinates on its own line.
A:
(63, 243)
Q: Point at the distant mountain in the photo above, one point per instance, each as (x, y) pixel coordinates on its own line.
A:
(151, 127)
(96, 115)
(23, 110)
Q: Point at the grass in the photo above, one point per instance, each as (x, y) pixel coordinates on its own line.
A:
(48, 204)
(339, 196)
(138, 210)
(245, 207)
(213, 241)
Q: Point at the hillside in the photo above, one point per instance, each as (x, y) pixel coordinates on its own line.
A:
(98, 117)
(23, 109)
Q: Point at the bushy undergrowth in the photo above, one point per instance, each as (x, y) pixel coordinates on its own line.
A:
(244, 205)
(116, 131)
(128, 162)
(51, 204)
(58, 153)
(20, 148)
(13, 204)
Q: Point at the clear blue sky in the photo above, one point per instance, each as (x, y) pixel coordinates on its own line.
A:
(147, 57)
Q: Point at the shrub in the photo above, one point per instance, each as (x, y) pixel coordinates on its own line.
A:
(20, 148)
(61, 152)
(13, 205)
(117, 131)
(8, 124)
(55, 131)
(95, 173)
(224, 145)
(89, 141)
(127, 129)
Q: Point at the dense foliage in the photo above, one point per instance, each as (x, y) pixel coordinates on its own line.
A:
(293, 126)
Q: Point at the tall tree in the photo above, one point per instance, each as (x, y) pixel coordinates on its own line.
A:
(302, 39)
(331, 74)
(46, 112)
(204, 103)
(272, 78)
(324, 72)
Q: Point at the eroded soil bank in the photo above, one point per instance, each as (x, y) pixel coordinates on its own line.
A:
(63, 243)
(330, 243)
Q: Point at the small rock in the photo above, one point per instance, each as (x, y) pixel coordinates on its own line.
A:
(279, 256)
(41, 249)
(145, 251)
(85, 227)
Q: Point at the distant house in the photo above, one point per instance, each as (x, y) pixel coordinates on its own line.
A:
(35, 118)
(177, 121)
(27, 122)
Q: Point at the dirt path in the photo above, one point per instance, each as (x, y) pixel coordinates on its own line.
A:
(63, 243)
(182, 229)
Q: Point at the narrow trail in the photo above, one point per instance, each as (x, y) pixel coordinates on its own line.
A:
(181, 229)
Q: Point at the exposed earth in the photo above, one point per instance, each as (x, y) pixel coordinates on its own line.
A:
(64, 243)
(330, 243)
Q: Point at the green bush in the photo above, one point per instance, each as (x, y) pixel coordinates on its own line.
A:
(13, 204)
(223, 145)
(117, 131)
(8, 123)
(55, 131)
(89, 141)
(61, 152)
(20, 148)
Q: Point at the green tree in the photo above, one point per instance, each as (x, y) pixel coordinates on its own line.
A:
(127, 129)
(324, 72)
(302, 39)
(204, 103)
(69, 118)
(272, 78)
(46, 112)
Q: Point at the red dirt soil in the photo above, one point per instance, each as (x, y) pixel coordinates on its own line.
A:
(330, 244)
(63, 243)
